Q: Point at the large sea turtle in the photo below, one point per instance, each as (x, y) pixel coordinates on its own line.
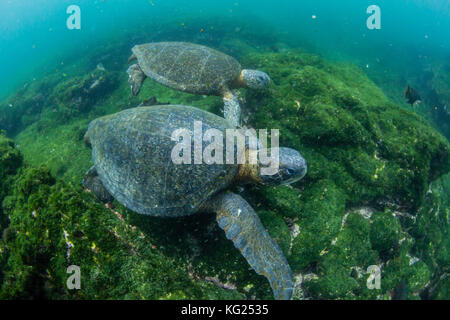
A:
(195, 69)
(133, 152)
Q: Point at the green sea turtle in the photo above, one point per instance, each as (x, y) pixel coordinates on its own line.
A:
(195, 69)
(132, 152)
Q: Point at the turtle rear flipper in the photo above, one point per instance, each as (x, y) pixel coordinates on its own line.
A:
(242, 226)
(92, 182)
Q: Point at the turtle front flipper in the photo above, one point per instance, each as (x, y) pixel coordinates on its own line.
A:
(92, 182)
(136, 78)
(242, 226)
(232, 109)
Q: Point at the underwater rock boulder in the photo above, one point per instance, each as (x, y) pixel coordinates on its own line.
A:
(10, 157)
(369, 147)
(439, 96)
(363, 151)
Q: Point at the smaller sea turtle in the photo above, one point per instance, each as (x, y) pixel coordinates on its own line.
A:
(133, 152)
(195, 69)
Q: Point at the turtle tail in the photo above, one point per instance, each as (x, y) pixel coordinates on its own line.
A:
(242, 226)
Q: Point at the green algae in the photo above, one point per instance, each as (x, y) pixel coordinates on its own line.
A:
(58, 141)
(359, 129)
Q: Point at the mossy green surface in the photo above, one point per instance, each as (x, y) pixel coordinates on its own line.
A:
(54, 225)
(364, 153)
(348, 130)
(10, 161)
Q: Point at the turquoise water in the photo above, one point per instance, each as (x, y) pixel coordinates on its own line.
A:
(34, 38)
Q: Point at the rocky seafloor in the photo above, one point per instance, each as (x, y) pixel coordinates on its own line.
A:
(377, 190)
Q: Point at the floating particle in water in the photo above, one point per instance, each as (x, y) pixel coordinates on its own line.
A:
(314, 16)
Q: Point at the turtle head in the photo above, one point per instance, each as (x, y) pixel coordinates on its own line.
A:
(289, 168)
(255, 79)
(135, 78)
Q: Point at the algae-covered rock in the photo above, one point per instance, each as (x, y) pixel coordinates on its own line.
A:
(54, 225)
(10, 162)
(376, 194)
(10, 157)
(57, 97)
(362, 150)
(439, 95)
(82, 92)
(370, 148)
